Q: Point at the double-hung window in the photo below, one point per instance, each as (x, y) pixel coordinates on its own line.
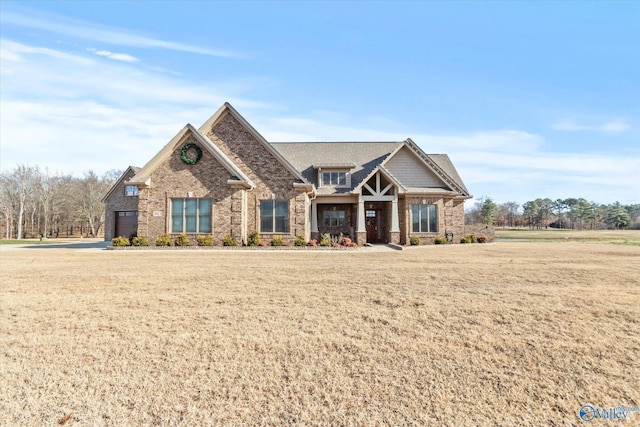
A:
(274, 216)
(191, 215)
(424, 218)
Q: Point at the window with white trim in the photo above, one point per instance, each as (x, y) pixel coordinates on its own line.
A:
(191, 215)
(274, 216)
(131, 190)
(335, 178)
(333, 218)
(424, 219)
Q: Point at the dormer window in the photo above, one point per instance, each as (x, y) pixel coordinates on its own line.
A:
(338, 179)
(334, 174)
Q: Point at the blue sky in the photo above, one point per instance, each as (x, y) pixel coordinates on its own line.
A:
(529, 99)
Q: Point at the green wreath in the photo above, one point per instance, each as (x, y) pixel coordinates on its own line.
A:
(187, 159)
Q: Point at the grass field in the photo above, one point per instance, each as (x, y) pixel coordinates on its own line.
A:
(514, 333)
(623, 237)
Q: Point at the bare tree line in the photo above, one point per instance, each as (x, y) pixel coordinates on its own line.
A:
(571, 213)
(35, 203)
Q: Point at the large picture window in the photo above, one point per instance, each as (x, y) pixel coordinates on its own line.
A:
(274, 216)
(333, 218)
(424, 218)
(191, 215)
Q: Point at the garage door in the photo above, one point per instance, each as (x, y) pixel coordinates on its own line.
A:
(126, 223)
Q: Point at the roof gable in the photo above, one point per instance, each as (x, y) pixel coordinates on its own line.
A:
(143, 177)
(441, 166)
(411, 171)
(228, 109)
(129, 172)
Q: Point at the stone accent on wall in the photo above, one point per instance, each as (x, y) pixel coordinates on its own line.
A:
(394, 237)
(118, 202)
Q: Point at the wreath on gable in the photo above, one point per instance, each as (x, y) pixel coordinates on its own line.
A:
(190, 153)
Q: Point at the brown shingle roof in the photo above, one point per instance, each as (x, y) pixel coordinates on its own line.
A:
(366, 156)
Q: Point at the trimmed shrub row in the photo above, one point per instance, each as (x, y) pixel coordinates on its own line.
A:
(252, 240)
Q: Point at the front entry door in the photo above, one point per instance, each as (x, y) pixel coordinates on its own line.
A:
(372, 221)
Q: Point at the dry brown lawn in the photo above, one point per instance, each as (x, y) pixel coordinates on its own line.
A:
(497, 334)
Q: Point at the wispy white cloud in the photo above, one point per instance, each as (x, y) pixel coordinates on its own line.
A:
(611, 126)
(108, 35)
(115, 56)
(72, 113)
(14, 52)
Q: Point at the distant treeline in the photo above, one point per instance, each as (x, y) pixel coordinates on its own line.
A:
(36, 203)
(569, 213)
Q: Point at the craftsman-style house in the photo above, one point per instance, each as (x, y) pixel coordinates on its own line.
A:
(226, 179)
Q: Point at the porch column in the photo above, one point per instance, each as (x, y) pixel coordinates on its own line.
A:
(314, 216)
(395, 223)
(361, 230)
(361, 225)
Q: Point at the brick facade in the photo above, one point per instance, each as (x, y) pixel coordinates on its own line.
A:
(175, 179)
(450, 217)
(118, 202)
(238, 169)
(235, 211)
(273, 181)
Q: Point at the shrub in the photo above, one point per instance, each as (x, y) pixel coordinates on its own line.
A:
(181, 240)
(482, 239)
(277, 241)
(253, 239)
(325, 240)
(346, 241)
(120, 241)
(440, 240)
(353, 245)
(469, 238)
(313, 243)
(164, 240)
(300, 241)
(205, 240)
(131, 237)
(140, 241)
(229, 241)
(414, 240)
